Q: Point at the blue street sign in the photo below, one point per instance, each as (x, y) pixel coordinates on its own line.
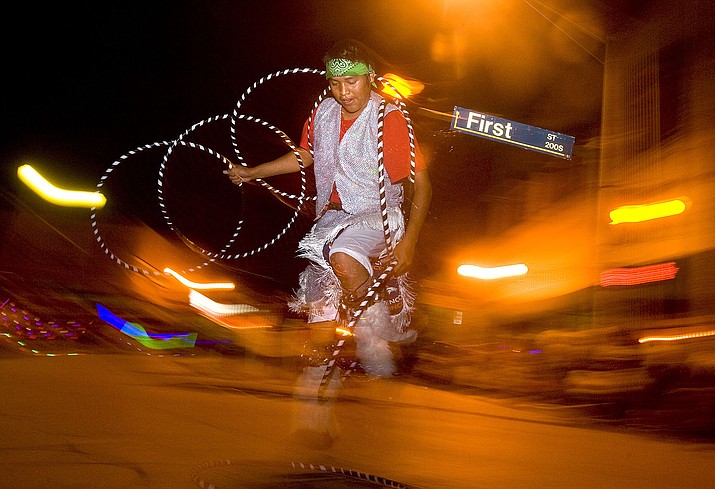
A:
(510, 132)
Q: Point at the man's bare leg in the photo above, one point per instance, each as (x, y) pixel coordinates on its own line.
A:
(353, 277)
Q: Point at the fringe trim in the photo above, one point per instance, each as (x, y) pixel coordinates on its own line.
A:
(373, 334)
(403, 319)
(322, 277)
(320, 274)
(311, 246)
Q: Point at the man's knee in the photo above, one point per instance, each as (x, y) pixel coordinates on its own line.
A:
(345, 265)
(351, 273)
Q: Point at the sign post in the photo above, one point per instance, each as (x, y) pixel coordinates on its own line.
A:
(511, 132)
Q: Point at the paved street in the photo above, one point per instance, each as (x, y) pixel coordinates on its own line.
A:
(118, 420)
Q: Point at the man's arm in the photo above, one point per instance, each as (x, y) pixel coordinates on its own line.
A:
(288, 163)
(421, 198)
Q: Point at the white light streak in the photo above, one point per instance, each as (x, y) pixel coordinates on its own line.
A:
(203, 303)
(492, 273)
(195, 285)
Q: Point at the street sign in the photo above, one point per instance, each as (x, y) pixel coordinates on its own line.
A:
(510, 132)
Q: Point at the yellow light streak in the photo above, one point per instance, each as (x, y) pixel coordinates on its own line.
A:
(343, 331)
(676, 337)
(404, 87)
(56, 195)
(195, 285)
(647, 212)
(483, 273)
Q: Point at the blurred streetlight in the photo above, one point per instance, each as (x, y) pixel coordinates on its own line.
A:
(647, 212)
(55, 195)
(492, 273)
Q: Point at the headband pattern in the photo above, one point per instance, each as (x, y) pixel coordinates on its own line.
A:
(346, 67)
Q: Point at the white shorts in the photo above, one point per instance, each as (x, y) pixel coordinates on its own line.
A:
(361, 244)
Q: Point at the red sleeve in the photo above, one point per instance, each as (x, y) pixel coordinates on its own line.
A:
(397, 148)
(304, 136)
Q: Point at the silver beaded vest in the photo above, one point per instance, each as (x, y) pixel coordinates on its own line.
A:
(352, 164)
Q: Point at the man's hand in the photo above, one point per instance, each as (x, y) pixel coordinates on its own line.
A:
(404, 254)
(239, 174)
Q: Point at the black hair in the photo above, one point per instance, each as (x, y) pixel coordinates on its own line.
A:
(353, 50)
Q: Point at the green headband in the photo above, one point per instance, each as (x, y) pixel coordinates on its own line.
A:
(346, 67)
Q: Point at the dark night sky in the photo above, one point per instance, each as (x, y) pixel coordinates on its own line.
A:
(84, 83)
(102, 77)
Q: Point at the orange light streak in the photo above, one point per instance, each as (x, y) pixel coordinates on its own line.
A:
(677, 337)
(405, 88)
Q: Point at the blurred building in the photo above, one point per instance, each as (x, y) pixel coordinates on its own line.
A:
(656, 144)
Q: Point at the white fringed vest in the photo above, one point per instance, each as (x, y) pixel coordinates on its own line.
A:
(351, 163)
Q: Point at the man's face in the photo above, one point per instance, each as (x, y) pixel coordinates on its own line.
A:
(352, 92)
